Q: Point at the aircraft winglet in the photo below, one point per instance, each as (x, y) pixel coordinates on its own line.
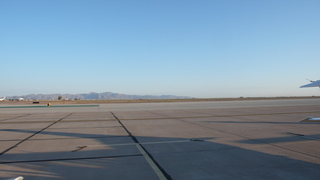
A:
(311, 119)
(17, 178)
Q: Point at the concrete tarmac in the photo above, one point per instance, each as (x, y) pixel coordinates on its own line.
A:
(260, 139)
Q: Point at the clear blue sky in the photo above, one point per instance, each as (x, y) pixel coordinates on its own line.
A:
(197, 48)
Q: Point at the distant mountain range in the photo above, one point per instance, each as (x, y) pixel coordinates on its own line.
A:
(93, 95)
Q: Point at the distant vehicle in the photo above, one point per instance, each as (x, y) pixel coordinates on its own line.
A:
(3, 98)
(312, 84)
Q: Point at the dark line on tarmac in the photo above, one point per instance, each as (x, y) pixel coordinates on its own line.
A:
(223, 131)
(303, 136)
(232, 115)
(15, 117)
(44, 106)
(85, 137)
(251, 139)
(65, 121)
(69, 159)
(168, 117)
(166, 175)
(33, 134)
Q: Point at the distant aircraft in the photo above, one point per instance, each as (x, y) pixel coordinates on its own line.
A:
(3, 98)
(312, 84)
(16, 99)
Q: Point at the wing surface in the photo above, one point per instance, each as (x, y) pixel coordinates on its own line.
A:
(313, 84)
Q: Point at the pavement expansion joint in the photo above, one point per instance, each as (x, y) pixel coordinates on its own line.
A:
(34, 134)
(71, 159)
(65, 121)
(15, 117)
(212, 116)
(292, 150)
(142, 143)
(159, 171)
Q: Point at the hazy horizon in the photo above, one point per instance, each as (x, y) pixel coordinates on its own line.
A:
(71, 94)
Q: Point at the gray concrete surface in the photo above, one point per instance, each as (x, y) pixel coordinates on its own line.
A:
(195, 140)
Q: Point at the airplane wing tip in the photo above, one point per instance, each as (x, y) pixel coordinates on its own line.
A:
(307, 119)
(17, 178)
(313, 84)
(310, 119)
